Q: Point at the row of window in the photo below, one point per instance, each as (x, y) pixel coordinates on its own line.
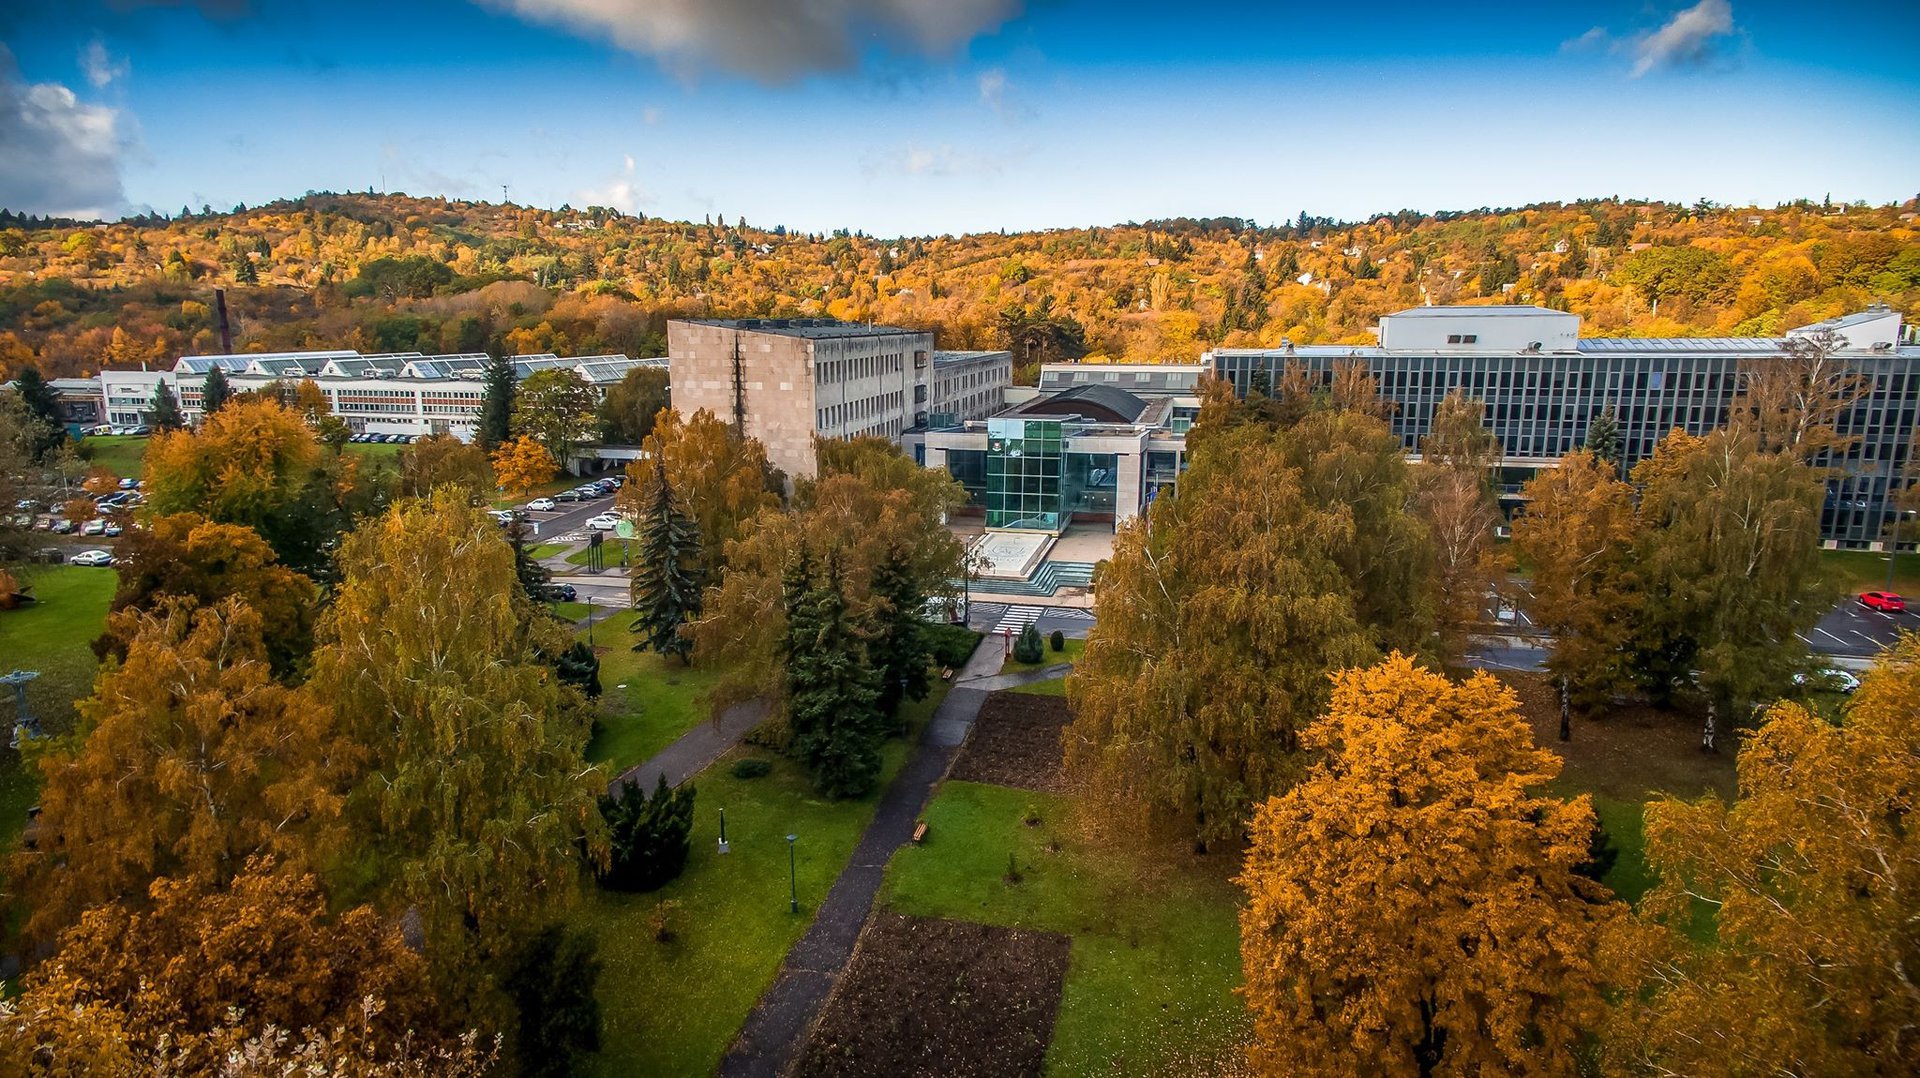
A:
(855, 413)
(845, 370)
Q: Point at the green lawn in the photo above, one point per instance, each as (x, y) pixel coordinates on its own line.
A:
(609, 553)
(546, 550)
(51, 636)
(1155, 947)
(1051, 658)
(672, 1008)
(123, 455)
(376, 451)
(1864, 570)
(662, 699)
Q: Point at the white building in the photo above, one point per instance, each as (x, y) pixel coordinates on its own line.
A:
(396, 393)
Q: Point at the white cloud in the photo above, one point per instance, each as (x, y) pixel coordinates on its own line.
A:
(993, 88)
(1592, 39)
(650, 115)
(101, 67)
(1692, 38)
(941, 160)
(621, 191)
(768, 40)
(58, 155)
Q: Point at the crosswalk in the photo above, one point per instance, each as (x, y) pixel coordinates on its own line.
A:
(1018, 617)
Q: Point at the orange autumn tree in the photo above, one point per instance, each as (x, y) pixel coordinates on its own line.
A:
(1412, 906)
(1812, 878)
(185, 972)
(522, 464)
(194, 759)
(721, 478)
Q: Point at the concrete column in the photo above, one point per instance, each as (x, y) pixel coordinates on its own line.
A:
(1127, 486)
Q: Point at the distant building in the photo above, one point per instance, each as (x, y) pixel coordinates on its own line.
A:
(394, 393)
(786, 381)
(1543, 383)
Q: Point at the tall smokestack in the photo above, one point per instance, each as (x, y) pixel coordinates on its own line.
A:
(220, 320)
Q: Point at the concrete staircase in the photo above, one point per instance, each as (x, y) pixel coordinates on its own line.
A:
(1045, 581)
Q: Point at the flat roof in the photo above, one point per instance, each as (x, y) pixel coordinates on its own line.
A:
(1498, 310)
(808, 328)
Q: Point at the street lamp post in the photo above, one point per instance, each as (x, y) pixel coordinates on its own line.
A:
(589, 619)
(903, 705)
(793, 879)
(723, 831)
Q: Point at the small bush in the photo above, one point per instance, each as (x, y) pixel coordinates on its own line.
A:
(1027, 648)
(951, 645)
(661, 918)
(1058, 641)
(649, 836)
(752, 767)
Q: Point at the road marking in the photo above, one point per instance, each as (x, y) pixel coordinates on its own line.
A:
(1830, 636)
(1017, 618)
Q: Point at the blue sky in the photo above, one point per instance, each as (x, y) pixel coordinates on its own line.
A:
(927, 116)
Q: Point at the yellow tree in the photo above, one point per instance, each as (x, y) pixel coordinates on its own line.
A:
(1221, 613)
(472, 798)
(1455, 499)
(1812, 879)
(722, 479)
(174, 967)
(1412, 905)
(1576, 531)
(193, 759)
(189, 556)
(1794, 402)
(443, 460)
(523, 464)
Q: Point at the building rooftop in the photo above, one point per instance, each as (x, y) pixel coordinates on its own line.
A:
(1096, 401)
(1497, 310)
(1141, 379)
(808, 328)
(942, 358)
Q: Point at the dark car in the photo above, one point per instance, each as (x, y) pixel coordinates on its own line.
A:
(560, 593)
(567, 496)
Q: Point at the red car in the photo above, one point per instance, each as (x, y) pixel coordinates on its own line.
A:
(1884, 601)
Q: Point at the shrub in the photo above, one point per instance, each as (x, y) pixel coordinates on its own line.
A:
(951, 645)
(1058, 641)
(1027, 648)
(661, 918)
(649, 836)
(751, 767)
(1601, 853)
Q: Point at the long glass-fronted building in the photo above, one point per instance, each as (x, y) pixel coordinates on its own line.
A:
(1543, 384)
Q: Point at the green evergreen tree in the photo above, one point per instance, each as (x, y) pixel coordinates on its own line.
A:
(533, 576)
(496, 407)
(43, 406)
(216, 393)
(1028, 647)
(668, 577)
(244, 271)
(899, 641)
(166, 409)
(579, 667)
(1603, 437)
(648, 838)
(552, 984)
(831, 695)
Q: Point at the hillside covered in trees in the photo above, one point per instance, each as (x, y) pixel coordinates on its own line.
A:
(393, 273)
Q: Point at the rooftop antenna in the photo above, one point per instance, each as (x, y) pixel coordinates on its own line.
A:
(503, 194)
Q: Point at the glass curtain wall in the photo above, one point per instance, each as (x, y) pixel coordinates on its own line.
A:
(1024, 475)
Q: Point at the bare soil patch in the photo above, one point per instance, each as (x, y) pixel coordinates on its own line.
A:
(1632, 751)
(932, 997)
(1016, 742)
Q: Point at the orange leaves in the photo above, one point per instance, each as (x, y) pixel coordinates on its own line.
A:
(523, 464)
(1411, 905)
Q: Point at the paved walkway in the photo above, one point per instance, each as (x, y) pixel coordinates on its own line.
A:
(773, 1033)
(696, 748)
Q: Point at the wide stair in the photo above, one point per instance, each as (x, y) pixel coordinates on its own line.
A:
(1045, 581)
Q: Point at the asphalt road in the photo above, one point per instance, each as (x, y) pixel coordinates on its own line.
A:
(1852, 629)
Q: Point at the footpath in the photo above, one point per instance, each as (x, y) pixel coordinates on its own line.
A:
(773, 1032)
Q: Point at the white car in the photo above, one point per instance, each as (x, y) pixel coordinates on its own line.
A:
(543, 505)
(1830, 678)
(91, 557)
(96, 526)
(605, 522)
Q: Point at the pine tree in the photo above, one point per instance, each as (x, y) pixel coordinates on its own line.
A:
(648, 838)
(831, 695)
(244, 271)
(216, 393)
(667, 580)
(1603, 437)
(496, 408)
(166, 409)
(899, 643)
(44, 407)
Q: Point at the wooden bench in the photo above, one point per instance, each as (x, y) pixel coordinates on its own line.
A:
(919, 832)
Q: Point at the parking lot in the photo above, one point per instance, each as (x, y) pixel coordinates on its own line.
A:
(1852, 629)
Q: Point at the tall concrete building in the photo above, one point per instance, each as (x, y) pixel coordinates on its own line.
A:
(784, 381)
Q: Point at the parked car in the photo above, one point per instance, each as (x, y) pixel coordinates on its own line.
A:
(112, 530)
(1829, 678)
(560, 593)
(91, 557)
(141, 432)
(589, 492)
(96, 526)
(543, 505)
(26, 505)
(1884, 601)
(605, 522)
(129, 484)
(62, 526)
(504, 517)
(567, 496)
